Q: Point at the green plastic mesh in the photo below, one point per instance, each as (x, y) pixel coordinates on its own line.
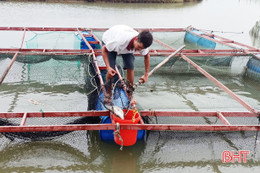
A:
(54, 40)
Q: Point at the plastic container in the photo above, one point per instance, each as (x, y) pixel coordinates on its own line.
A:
(129, 137)
(106, 135)
(88, 38)
(199, 40)
(253, 69)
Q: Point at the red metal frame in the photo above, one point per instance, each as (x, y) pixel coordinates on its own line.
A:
(153, 52)
(219, 39)
(13, 60)
(84, 29)
(177, 127)
(222, 116)
(223, 87)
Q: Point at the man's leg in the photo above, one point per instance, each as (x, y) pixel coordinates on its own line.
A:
(109, 79)
(128, 60)
(130, 76)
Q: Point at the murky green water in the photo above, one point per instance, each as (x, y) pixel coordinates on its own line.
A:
(57, 85)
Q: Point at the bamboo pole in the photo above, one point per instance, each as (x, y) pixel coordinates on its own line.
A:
(95, 62)
(160, 64)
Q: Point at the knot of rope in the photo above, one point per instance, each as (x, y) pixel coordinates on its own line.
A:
(117, 135)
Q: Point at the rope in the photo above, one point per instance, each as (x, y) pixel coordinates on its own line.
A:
(117, 135)
(222, 31)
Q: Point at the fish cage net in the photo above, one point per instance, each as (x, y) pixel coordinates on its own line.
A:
(41, 83)
(215, 65)
(52, 85)
(56, 82)
(41, 39)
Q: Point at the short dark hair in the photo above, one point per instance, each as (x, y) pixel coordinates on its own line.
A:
(146, 38)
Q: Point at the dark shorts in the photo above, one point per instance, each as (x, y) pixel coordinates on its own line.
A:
(128, 60)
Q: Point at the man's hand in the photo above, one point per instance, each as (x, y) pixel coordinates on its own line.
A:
(133, 102)
(110, 72)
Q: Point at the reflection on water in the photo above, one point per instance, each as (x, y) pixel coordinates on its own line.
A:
(163, 152)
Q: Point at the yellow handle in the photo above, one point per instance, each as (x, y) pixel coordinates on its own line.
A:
(135, 111)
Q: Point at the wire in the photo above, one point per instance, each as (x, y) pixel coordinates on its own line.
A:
(222, 31)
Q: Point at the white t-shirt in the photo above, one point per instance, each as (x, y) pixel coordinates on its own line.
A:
(118, 37)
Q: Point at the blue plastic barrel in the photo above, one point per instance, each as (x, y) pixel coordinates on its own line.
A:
(82, 42)
(195, 39)
(253, 68)
(254, 64)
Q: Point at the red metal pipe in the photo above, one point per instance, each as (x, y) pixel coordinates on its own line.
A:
(39, 29)
(223, 41)
(227, 90)
(163, 44)
(36, 51)
(189, 127)
(196, 114)
(24, 119)
(13, 60)
(170, 127)
(143, 113)
(153, 52)
(82, 29)
(37, 128)
(54, 114)
(222, 118)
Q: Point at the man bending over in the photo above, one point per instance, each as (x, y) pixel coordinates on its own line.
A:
(124, 40)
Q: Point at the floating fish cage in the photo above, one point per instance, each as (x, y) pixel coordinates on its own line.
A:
(253, 68)
(76, 55)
